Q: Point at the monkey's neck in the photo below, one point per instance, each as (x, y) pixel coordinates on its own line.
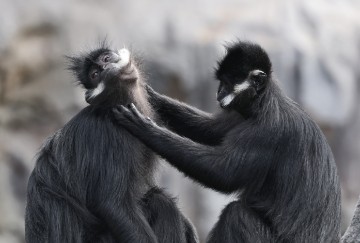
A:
(273, 105)
(139, 97)
(124, 95)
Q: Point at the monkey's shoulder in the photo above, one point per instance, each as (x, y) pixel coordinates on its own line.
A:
(92, 138)
(92, 129)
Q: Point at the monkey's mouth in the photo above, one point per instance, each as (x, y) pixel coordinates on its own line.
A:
(121, 70)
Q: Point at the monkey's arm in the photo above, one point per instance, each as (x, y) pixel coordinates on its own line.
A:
(218, 167)
(189, 121)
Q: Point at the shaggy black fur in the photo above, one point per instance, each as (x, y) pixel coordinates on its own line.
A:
(92, 178)
(262, 146)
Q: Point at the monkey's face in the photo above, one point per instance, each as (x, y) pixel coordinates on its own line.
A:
(104, 70)
(243, 74)
(240, 91)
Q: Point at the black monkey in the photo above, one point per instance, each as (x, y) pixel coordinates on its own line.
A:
(262, 146)
(93, 181)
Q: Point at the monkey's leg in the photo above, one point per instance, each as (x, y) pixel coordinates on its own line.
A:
(190, 232)
(49, 216)
(126, 221)
(59, 222)
(239, 224)
(165, 218)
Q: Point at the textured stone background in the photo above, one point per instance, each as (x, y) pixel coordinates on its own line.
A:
(314, 45)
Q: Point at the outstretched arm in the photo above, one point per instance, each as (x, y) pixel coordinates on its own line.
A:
(214, 166)
(189, 121)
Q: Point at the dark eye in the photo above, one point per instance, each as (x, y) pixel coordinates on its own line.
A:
(226, 82)
(94, 74)
(259, 76)
(258, 79)
(106, 58)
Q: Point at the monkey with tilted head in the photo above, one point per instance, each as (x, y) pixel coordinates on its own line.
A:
(93, 180)
(261, 146)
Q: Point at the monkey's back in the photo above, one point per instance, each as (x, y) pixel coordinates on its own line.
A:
(300, 191)
(312, 196)
(86, 163)
(101, 149)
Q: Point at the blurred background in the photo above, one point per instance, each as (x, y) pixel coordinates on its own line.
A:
(314, 46)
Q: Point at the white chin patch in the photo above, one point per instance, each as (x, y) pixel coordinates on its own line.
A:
(124, 57)
(241, 87)
(98, 90)
(227, 100)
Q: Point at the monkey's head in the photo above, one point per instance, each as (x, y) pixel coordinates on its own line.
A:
(104, 72)
(244, 74)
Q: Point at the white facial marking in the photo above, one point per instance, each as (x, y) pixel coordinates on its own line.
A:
(98, 90)
(238, 88)
(124, 57)
(257, 72)
(227, 100)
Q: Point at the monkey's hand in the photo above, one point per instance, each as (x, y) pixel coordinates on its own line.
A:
(149, 89)
(132, 119)
(155, 98)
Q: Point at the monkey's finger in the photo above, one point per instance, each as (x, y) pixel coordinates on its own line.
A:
(122, 113)
(117, 109)
(135, 111)
(119, 116)
(130, 117)
(124, 119)
(127, 112)
(122, 109)
(118, 112)
(148, 119)
(149, 89)
(132, 107)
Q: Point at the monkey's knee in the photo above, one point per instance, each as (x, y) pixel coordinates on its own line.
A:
(166, 220)
(156, 203)
(238, 223)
